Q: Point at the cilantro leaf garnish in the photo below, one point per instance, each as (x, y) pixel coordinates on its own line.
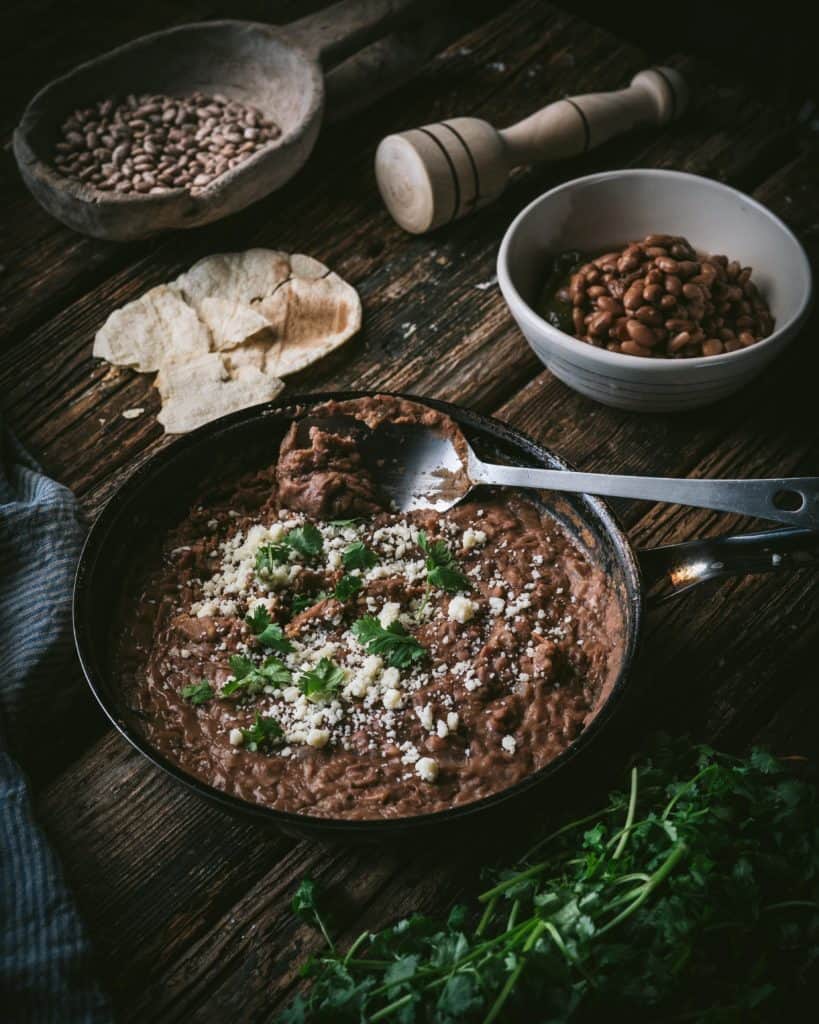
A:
(263, 733)
(273, 636)
(269, 556)
(306, 540)
(347, 587)
(442, 567)
(359, 556)
(398, 646)
(198, 693)
(250, 679)
(321, 681)
(268, 633)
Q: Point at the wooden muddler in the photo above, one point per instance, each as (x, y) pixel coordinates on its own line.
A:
(432, 175)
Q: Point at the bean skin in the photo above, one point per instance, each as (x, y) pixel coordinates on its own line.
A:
(643, 335)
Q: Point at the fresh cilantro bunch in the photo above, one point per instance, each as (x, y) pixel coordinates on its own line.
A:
(693, 895)
(442, 567)
(250, 680)
(398, 646)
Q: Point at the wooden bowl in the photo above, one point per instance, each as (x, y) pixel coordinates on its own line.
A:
(249, 62)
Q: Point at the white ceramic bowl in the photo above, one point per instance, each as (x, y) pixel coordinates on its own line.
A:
(602, 212)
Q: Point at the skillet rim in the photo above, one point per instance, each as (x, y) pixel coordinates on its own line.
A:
(99, 536)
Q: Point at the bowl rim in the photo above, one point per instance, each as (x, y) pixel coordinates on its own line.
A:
(569, 345)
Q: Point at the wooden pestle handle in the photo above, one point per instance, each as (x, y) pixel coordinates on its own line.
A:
(569, 127)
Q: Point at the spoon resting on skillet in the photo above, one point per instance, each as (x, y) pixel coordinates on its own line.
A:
(418, 467)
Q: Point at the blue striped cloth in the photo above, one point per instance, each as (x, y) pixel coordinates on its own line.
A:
(46, 968)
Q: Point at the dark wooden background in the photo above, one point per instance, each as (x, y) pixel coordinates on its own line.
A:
(189, 909)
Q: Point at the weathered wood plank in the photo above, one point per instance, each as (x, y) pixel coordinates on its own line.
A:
(224, 938)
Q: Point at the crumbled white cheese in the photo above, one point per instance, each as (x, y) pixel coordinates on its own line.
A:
(427, 769)
(425, 717)
(318, 737)
(452, 721)
(496, 605)
(390, 678)
(462, 608)
(236, 737)
(392, 699)
(509, 743)
(389, 613)
(473, 538)
(442, 729)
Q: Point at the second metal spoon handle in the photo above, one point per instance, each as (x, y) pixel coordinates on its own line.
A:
(790, 500)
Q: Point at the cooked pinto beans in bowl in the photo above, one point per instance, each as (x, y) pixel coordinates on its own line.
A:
(656, 298)
(296, 643)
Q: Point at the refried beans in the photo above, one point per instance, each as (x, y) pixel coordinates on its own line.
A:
(299, 645)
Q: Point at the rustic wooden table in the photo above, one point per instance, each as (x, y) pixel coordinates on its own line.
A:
(189, 908)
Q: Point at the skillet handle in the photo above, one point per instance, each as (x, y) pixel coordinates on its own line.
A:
(678, 567)
(336, 32)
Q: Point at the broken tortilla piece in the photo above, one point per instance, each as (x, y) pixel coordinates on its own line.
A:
(142, 333)
(311, 316)
(200, 390)
(237, 276)
(233, 323)
(224, 332)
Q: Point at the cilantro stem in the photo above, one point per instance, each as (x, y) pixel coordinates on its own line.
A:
(512, 980)
(385, 1011)
(487, 916)
(656, 879)
(669, 807)
(632, 807)
(362, 938)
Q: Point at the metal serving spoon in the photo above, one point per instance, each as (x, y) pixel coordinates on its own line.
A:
(417, 467)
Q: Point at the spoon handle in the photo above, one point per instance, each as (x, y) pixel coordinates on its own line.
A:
(790, 500)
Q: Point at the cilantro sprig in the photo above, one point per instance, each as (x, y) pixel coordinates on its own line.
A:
(393, 642)
(692, 895)
(198, 693)
(250, 680)
(358, 556)
(304, 540)
(263, 734)
(322, 681)
(442, 567)
(347, 588)
(268, 633)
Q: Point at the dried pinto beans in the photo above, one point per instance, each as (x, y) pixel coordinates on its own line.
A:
(155, 143)
(657, 298)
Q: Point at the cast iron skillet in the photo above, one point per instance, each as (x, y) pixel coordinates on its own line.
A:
(160, 491)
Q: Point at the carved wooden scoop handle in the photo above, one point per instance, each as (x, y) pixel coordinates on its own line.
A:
(431, 175)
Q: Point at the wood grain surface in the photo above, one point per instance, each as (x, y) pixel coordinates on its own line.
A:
(189, 908)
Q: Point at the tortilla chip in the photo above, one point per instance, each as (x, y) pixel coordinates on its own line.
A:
(145, 330)
(200, 390)
(233, 322)
(311, 315)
